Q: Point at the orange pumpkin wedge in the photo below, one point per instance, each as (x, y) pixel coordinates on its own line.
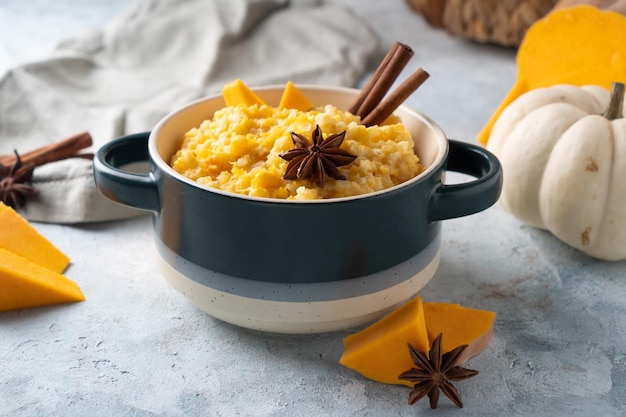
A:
(236, 92)
(578, 45)
(26, 284)
(460, 326)
(380, 352)
(293, 98)
(19, 237)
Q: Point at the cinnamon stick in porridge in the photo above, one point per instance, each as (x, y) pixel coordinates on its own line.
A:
(385, 75)
(386, 107)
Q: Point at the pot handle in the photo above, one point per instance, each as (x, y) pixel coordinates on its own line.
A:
(457, 200)
(129, 188)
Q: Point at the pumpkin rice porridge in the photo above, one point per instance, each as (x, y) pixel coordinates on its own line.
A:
(239, 150)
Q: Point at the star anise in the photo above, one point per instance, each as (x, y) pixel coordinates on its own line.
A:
(15, 182)
(318, 159)
(435, 372)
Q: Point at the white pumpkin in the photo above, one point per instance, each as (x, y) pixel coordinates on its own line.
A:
(564, 166)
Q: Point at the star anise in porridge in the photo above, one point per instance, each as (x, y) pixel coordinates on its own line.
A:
(434, 372)
(316, 159)
(15, 182)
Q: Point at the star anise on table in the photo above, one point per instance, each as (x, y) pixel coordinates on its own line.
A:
(316, 159)
(434, 372)
(15, 182)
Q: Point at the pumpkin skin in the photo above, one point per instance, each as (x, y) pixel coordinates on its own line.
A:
(564, 167)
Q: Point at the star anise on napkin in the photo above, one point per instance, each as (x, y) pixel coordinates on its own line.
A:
(318, 159)
(15, 182)
(435, 372)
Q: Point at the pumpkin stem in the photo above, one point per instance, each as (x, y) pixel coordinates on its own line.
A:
(616, 102)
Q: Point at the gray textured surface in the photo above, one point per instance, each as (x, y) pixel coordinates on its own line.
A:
(138, 348)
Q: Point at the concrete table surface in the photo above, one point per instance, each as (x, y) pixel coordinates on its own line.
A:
(137, 347)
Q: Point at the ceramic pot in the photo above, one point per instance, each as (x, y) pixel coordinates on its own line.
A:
(297, 266)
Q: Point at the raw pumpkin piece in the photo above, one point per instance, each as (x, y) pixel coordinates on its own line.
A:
(460, 326)
(236, 92)
(26, 284)
(380, 351)
(293, 98)
(19, 237)
(579, 45)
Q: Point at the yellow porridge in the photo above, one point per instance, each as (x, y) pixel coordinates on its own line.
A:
(239, 150)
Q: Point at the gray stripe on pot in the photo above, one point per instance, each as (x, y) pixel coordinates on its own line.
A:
(303, 292)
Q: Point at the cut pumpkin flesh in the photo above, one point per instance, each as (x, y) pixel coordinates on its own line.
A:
(26, 284)
(293, 98)
(579, 45)
(19, 237)
(459, 326)
(236, 92)
(380, 352)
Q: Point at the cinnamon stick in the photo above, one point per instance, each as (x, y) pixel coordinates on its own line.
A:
(386, 107)
(356, 105)
(383, 78)
(67, 148)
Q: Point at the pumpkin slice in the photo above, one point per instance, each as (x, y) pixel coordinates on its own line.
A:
(236, 92)
(19, 237)
(293, 98)
(460, 326)
(380, 351)
(26, 284)
(579, 45)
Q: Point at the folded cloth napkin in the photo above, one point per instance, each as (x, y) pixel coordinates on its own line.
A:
(153, 58)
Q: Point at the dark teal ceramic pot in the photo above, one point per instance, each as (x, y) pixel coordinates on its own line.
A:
(257, 256)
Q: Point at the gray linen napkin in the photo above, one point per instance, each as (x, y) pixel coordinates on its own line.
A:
(153, 58)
